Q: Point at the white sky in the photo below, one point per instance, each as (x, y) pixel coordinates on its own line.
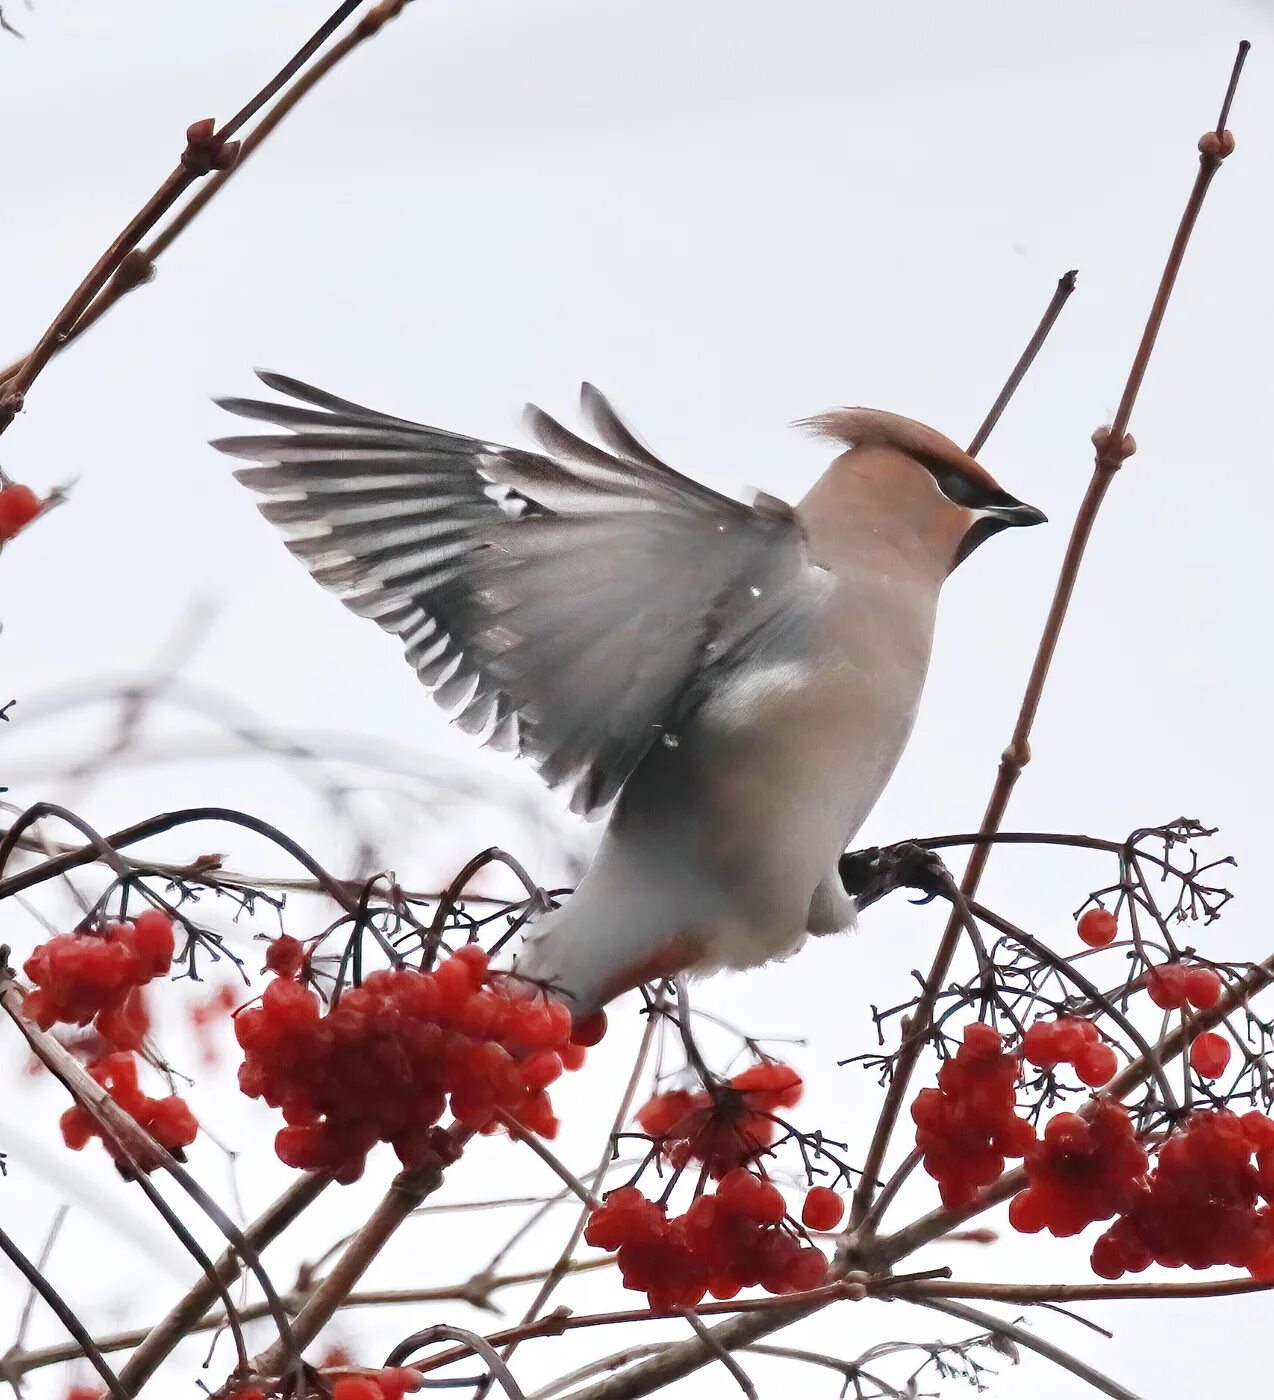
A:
(729, 216)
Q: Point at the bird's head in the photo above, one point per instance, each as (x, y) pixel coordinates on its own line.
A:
(904, 488)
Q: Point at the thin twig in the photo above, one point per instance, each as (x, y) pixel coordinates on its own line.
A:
(1065, 286)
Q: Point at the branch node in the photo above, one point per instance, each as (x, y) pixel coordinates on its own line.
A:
(206, 150)
(1017, 755)
(1109, 452)
(1216, 145)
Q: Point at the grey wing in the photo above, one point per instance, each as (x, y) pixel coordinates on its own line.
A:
(569, 606)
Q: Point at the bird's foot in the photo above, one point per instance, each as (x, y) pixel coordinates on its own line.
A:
(876, 871)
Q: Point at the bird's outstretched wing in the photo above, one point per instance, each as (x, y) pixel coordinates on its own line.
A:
(570, 606)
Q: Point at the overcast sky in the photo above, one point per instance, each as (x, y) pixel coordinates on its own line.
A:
(729, 216)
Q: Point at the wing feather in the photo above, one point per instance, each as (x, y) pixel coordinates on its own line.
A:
(569, 605)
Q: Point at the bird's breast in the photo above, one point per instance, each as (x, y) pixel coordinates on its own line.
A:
(797, 751)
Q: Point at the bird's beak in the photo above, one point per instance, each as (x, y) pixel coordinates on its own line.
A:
(1017, 513)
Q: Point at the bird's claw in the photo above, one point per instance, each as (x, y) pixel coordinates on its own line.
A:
(874, 872)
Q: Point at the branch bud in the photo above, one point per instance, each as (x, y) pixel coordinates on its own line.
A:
(1217, 144)
(205, 150)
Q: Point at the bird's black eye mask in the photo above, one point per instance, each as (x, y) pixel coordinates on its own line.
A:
(964, 490)
(997, 509)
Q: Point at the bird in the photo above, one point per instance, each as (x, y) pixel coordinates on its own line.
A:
(730, 684)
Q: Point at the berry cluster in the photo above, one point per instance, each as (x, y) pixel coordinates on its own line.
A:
(169, 1120)
(19, 506)
(1174, 985)
(967, 1126)
(1079, 1172)
(1071, 1040)
(382, 1063)
(727, 1241)
(1205, 1203)
(726, 1126)
(82, 976)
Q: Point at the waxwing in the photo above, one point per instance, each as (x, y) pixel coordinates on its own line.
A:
(733, 683)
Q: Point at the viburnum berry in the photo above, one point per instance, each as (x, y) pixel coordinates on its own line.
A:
(724, 1126)
(1203, 988)
(1079, 1171)
(1209, 1054)
(1096, 1065)
(285, 955)
(19, 506)
(1097, 927)
(154, 943)
(169, 1120)
(822, 1210)
(588, 1030)
(392, 1383)
(125, 1025)
(390, 1056)
(967, 1126)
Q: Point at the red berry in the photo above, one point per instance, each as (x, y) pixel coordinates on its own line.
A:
(807, 1270)
(126, 1024)
(1209, 1054)
(588, 1030)
(823, 1209)
(770, 1086)
(356, 1388)
(1097, 927)
(153, 938)
(1166, 985)
(285, 955)
(982, 1040)
(1202, 988)
(1096, 1065)
(19, 506)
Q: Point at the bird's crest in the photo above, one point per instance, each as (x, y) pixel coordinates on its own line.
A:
(867, 427)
